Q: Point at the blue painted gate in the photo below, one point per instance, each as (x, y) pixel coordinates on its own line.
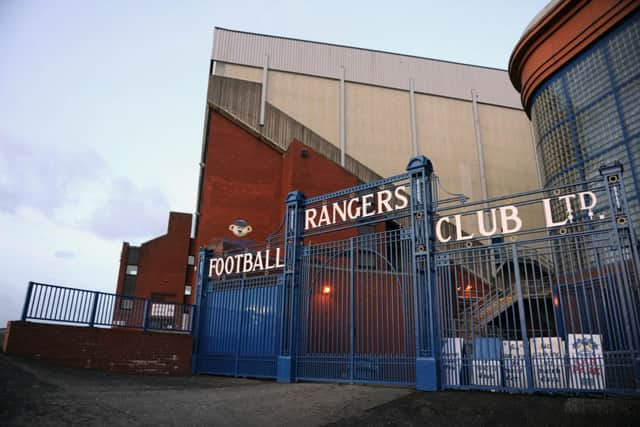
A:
(537, 291)
(239, 323)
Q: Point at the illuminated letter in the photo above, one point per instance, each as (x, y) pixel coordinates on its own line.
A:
(350, 212)
(219, 266)
(340, 211)
(548, 216)
(278, 263)
(481, 226)
(324, 216)
(567, 202)
(439, 229)
(211, 266)
(248, 263)
(266, 261)
(309, 217)
(511, 216)
(367, 202)
(403, 198)
(583, 204)
(384, 197)
(459, 235)
(257, 262)
(238, 265)
(228, 266)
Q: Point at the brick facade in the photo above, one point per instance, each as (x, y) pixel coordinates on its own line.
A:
(112, 350)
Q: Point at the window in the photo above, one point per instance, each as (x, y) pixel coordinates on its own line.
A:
(191, 260)
(132, 270)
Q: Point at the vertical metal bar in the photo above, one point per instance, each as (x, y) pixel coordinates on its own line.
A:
(263, 93)
(239, 326)
(93, 309)
(412, 112)
(27, 301)
(145, 315)
(342, 113)
(351, 309)
(523, 322)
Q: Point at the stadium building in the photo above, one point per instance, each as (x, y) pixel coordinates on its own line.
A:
(285, 114)
(372, 217)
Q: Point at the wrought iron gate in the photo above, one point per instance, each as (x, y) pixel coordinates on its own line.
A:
(550, 308)
(239, 320)
(383, 283)
(356, 317)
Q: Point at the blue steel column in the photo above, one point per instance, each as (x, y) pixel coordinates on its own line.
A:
(201, 282)
(426, 308)
(27, 301)
(624, 238)
(293, 250)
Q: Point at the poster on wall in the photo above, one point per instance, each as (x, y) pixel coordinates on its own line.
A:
(547, 361)
(451, 360)
(486, 362)
(586, 361)
(515, 367)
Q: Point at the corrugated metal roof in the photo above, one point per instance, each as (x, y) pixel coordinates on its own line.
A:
(372, 67)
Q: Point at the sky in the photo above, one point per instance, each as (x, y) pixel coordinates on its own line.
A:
(102, 110)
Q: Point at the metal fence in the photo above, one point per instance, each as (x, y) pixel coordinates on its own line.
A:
(549, 308)
(58, 304)
(536, 291)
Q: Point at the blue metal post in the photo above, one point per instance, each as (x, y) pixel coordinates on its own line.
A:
(145, 318)
(426, 301)
(94, 307)
(27, 301)
(624, 231)
(203, 257)
(293, 249)
(523, 321)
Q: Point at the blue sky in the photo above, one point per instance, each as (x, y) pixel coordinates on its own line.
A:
(102, 105)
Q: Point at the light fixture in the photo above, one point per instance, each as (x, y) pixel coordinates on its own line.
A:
(468, 288)
(326, 290)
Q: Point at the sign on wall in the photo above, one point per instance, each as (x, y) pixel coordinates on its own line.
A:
(586, 361)
(451, 360)
(515, 368)
(547, 360)
(486, 368)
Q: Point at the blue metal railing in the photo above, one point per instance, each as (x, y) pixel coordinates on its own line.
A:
(58, 304)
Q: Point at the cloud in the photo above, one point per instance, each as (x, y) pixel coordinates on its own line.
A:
(130, 212)
(74, 187)
(44, 177)
(65, 254)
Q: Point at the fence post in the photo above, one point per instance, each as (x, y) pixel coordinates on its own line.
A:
(426, 303)
(94, 307)
(27, 301)
(523, 321)
(626, 243)
(145, 318)
(293, 244)
(203, 256)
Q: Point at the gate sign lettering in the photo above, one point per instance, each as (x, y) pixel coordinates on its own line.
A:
(368, 205)
(247, 262)
(509, 220)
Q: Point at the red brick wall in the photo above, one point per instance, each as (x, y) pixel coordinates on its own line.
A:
(123, 267)
(162, 267)
(245, 178)
(113, 350)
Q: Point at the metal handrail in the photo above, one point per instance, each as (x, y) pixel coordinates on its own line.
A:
(59, 304)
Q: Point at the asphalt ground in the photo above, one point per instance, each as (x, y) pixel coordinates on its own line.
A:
(34, 393)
